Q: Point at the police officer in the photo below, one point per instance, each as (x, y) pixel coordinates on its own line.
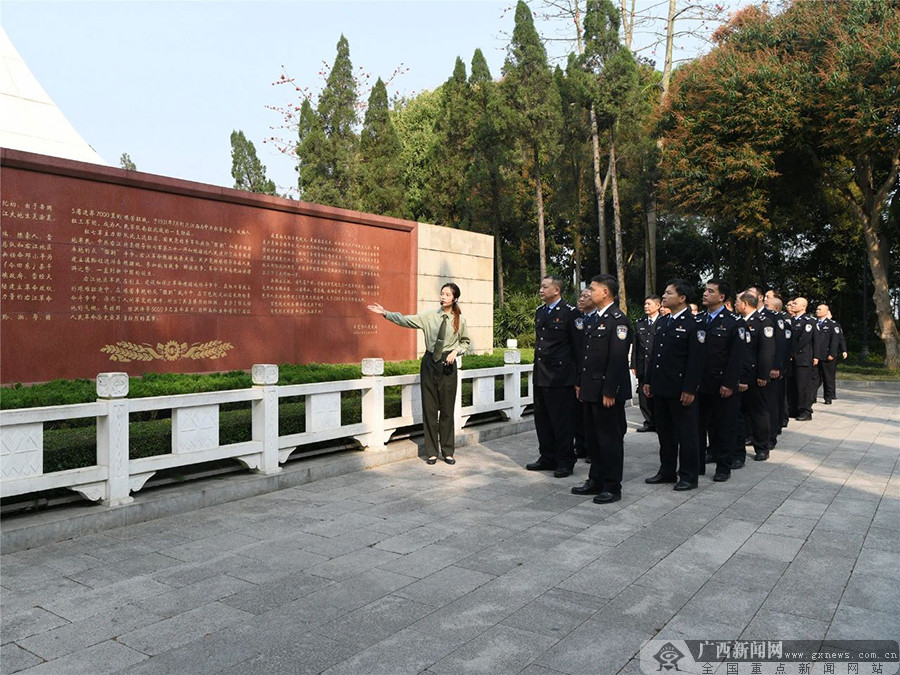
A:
(772, 305)
(554, 380)
(586, 314)
(839, 347)
(760, 338)
(672, 378)
(826, 353)
(718, 399)
(604, 385)
(801, 394)
(640, 353)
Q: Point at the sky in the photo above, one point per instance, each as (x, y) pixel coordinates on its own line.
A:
(168, 81)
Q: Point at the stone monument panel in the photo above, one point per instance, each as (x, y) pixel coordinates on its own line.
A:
(106, 269)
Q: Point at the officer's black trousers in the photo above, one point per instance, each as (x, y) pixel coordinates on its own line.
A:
(646, 406)
(554, 422)
(801, 393)
(826, 372)
(755, 406)
(717, 420)
(580, 431)
(605, 434)
(774, 398)
(438, 404)
(679, 442)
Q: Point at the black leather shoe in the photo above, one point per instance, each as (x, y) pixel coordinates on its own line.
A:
(645, 429)
(660, 478)
(761, 457)
(827, 401)
(540, 466)
(431, 460)
(721, 477)
(737, 464)
(607, 497)
(564, 472)
(449, 460)
(684, 485)
(804, 418)
(589, 488)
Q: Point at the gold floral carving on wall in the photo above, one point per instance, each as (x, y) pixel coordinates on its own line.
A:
(125, 352)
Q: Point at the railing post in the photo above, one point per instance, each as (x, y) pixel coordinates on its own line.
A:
(112, 437)
(265, 416)
(512, 384)
(373, 405)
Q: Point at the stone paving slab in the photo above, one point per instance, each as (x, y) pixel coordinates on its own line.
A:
(482, 567)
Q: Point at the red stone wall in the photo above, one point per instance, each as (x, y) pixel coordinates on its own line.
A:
(105, 269)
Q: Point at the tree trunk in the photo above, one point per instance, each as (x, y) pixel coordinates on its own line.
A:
(670, 42)
(651, 240)
(617, 223)
(498, 247)
(539, 196)
(600, 189)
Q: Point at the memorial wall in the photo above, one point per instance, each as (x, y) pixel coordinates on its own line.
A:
(105, 269)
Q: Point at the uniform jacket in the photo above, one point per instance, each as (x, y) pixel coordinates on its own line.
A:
(803, 329)
(823, 341)
(782, 345)
(604, 364)
(787, 366)
(839, 342)
(726, 351)
(677, 359)
(642, 344)
(760, 338)
(554, 346)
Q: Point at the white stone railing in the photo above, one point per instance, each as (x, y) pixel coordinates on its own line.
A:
(195, 426)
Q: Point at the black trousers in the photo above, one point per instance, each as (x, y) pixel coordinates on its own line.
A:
(755, 406)
(646, 406)
(717, 419)
(801, 393)
(580, 431)
(438, 404)
(826, 373)
(783, 402)
(679, 442)
(605, 435)
(554, 422)
(774, 399)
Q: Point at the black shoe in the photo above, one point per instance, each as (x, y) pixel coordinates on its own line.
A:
(607, 497)
(761, 456)
(737, 464)
(540, 466)
(660, 478)
(804, 418)
(645, 429)
(563, 472)
(449, 460)
(431, 460)
(721, 477)
(589, 488)
(684, 485)
(827, 401)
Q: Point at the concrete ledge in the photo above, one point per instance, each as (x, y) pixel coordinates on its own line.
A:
(868, 385)
(27, 530)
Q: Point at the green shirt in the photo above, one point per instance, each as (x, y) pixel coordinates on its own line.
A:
(430, 323)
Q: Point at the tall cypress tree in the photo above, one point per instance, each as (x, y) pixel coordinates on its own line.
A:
(313, 176)
(534, 103)
(338, 117)
(380, 168)
(246, 169)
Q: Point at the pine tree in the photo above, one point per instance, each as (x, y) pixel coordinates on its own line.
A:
(246, 169)
(380, 170)
(313, 175)
(338, 185)
(126, 162)
(534, 104)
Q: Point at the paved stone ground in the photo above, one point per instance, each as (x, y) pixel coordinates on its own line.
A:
(482, 567)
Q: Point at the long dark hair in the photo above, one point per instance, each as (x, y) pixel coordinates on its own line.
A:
(455, 308)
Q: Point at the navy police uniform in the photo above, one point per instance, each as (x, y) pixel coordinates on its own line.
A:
(726, 356)
(801, 394)
(640, 354)
(554, 384)
(760, 338)
(675, 366)
(825, 347)
(604, 372)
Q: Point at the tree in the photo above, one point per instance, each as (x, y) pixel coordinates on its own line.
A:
(126, 163)
(246, 169)
(533, 101)
(380, 171)
(787, 102)
(414, 120)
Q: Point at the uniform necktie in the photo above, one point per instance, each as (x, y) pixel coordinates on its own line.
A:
(438, 351)
(709, 318)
